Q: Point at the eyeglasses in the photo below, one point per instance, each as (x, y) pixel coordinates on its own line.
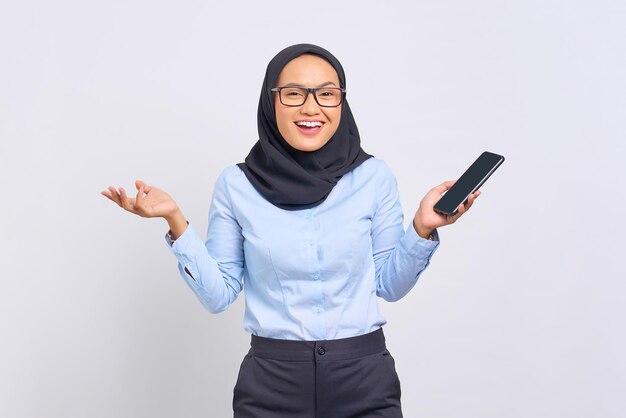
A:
(296, 96)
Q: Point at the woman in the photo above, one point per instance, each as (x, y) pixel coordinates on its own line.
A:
(312, 226)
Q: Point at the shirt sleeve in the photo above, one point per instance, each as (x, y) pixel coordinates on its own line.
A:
(399, 256)
(213, 269)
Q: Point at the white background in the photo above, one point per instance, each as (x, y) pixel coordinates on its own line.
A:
(521, 313)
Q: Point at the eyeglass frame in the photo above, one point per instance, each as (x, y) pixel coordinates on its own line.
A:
(306, 96)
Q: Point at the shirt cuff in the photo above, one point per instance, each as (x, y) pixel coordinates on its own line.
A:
(416, 245)
(186, 246)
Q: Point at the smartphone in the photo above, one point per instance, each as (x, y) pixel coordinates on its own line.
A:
(469, 182)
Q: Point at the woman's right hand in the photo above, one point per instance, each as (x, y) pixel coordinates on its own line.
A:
(149, 202)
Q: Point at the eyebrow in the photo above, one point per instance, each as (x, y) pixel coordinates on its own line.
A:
(328, 83)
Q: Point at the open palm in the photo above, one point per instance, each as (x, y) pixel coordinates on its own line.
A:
(149, 202)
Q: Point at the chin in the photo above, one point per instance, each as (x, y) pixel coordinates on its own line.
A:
(305, 143)
(308, 145)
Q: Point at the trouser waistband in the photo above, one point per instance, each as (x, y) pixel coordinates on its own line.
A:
(339, 349)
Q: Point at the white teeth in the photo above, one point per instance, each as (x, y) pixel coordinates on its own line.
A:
(309, 124)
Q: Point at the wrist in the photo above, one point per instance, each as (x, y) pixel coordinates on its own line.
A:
(175, 216)
(422, 230)
(177, 223)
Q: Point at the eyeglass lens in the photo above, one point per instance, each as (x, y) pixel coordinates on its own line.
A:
(294, 96)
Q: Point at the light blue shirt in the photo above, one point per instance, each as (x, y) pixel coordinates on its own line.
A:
(310, 274)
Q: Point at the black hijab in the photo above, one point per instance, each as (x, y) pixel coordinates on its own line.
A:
(293, 179)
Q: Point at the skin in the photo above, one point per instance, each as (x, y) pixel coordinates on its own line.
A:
(426, 219)
(150, 202)
(305, 71)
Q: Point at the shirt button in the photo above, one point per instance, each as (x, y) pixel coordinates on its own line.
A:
(321, 351)
(311, 243)
(316, 276)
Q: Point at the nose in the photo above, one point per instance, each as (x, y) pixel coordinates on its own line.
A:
(310, 106)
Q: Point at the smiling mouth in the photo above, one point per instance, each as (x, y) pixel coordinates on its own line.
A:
(309, 123)
(309, 127)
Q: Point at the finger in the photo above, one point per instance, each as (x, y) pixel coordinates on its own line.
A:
(464, 207)
(123, 198)
(146, 188)
(460, 211)
(445, 186)
(139, 198)
(108, 195)
(127, 203)
(450, 219)
(471, 200)
(115, 196)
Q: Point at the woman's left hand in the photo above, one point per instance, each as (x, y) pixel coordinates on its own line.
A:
(427, 219)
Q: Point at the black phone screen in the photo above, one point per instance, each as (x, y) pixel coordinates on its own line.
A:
(469, 182)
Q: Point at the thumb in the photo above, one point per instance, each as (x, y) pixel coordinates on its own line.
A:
(443, 187)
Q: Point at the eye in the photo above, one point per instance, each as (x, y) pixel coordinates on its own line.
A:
(293, 93)
(327, 93)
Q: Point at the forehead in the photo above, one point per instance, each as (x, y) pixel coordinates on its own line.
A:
(308, 70)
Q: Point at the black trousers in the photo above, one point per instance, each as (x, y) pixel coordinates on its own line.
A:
(345, 378)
